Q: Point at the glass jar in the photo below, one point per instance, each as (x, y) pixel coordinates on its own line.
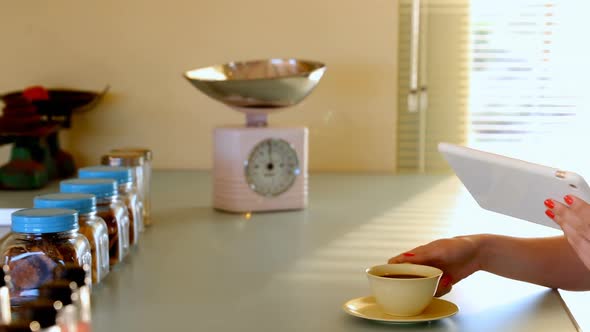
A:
(144, 185)
(127, 192)
(19, 327)
(75, 274)
(93, 227)
(41, 239)
(41, 316)
(110, 208)
(133, 160)
(64, 295)
(5, 312)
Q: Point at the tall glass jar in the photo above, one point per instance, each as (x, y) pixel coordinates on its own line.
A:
(133, 160)
(127, 192)
(41, 239)
(93, 227)
(110, 208)
(143, 185)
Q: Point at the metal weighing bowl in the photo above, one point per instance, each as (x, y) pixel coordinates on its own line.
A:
(260, 85)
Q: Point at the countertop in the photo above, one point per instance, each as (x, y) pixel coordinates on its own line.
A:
(198, 269)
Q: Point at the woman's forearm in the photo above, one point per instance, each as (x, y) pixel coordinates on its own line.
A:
(547, 261)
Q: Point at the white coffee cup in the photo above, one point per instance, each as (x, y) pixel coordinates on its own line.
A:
(403, 296)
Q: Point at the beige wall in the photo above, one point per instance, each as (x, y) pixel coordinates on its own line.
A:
(141, 47)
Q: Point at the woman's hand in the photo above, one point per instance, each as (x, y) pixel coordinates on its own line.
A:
(574, 219)
(458, 257)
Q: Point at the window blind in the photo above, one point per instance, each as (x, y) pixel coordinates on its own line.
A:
(527, 95)
(504, 76)
(442, 82)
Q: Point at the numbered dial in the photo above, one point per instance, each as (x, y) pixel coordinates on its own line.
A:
(272, 167)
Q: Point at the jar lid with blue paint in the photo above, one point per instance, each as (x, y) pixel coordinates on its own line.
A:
(121, 174)
(101, 188)
(83, 203)
(41, 221)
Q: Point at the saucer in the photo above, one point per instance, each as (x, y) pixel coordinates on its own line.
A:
(366, 307)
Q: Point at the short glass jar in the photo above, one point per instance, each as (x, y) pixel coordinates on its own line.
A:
(93, 227)
(127, 192)
(77, 275)
(5, 311)
(64, 296)
(110, 208)
(144, 185)
(135, 161)
(41, 315)
(41, 239)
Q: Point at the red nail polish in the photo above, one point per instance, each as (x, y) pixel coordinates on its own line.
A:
(549, 203)
(409, 254)
(445, 281)
(550, 214)
(569, 199)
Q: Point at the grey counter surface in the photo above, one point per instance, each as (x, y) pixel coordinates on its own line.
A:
(197, 269)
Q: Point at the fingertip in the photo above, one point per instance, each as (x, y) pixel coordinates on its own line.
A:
(444, 286)
(402, 258)
(549, 203)
(446, 280)
(395, 260)
(441, 291)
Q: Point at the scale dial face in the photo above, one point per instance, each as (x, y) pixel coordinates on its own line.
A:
(272, 167)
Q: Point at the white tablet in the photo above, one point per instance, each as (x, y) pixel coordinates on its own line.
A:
(510, 186)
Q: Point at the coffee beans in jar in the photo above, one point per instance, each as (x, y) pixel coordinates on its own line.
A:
(120, 157)
(93, 227)
(127, 192)
(110, 208)
(137, 162)
(40, 240)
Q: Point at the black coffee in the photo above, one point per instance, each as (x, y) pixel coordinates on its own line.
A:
(402, 276)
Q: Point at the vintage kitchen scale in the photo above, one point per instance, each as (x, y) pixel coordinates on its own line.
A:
(257, 167)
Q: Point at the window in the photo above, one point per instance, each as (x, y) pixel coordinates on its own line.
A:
(527, 80)
(501, 76)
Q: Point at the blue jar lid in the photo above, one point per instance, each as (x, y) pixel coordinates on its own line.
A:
(44, 220)
(83, 203)
(121, 174)
(101, 188)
